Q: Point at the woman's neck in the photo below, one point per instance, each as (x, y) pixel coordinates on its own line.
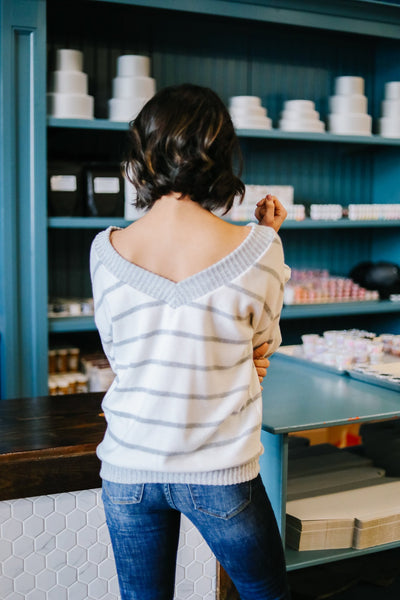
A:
(174, 207)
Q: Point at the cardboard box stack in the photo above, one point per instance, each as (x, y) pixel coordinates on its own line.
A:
(337, 499)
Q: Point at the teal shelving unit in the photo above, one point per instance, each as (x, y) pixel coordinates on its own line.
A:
(224, 47)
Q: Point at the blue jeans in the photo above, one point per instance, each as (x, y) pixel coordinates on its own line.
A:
(236, 521)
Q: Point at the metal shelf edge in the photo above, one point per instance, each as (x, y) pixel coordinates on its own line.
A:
(99, 124)
(99, 222)
(70, 324)
(300, 560)
(338, 309)
(65, 324)
(86, 222)
(106, 124)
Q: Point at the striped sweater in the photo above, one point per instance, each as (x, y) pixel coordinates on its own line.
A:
(185, 405)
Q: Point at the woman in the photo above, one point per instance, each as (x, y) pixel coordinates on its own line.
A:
(182, 300)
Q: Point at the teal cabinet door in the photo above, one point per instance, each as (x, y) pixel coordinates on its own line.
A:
(23, 230)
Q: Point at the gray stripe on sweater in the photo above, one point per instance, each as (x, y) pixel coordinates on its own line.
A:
(180, 396)
(165, 453)
(238, 288)
(271, 272)
(143, 306)
(108, 290)
(96, 268)
(180, 334)
(219, 312)
(175, 425)
(178, 365)
(268, 326)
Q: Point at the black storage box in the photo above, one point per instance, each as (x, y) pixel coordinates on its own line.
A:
(104, 191)
(65, 197)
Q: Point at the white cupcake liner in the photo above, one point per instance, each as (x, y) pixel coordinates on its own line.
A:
(69, 60)
(133, 65)
(251, 111)
(252, 123)
(349, 85)
(391, 109)
(126, 87)
(125, 109)
(350, 124)
(306, 115)
(300, 125)
(389, 128)
(392, 90)
(68, 82)
(352, 103)
(70, 106)
(244, 102)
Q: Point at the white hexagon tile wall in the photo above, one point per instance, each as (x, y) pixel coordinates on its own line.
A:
(57, 547)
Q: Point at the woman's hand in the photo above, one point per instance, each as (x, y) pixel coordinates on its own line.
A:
(260, 362)
(270, 212)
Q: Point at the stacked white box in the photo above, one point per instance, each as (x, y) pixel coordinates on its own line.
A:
(389, 123)
(132, 87)
(348, 107)
(248, 113)
(300, 115)
(68, 96)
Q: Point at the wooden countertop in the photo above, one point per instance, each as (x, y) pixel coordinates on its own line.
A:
(47, 444)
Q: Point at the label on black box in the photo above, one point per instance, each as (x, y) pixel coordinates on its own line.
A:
(106, 185)
(63, 183)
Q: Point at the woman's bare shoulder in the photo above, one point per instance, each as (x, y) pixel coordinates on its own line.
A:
(124, 239)
(234, 232)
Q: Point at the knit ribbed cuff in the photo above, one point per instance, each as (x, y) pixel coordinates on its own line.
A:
(231, 476)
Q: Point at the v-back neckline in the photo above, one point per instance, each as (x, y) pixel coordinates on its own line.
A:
(164, 277)
(186, 290)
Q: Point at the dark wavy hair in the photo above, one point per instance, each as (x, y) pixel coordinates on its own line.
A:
(183, 141)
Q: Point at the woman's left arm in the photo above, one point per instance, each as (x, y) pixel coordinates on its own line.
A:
(260, 362)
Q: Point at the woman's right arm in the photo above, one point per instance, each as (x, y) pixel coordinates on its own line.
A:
(270, 212)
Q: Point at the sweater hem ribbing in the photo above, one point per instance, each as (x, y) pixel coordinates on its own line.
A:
(230, 476)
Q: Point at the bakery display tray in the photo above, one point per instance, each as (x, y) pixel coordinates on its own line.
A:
(367, 377)
(385, 374)
(293, 353)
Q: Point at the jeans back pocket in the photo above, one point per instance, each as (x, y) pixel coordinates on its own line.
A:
(223, 501)
(123, 493)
